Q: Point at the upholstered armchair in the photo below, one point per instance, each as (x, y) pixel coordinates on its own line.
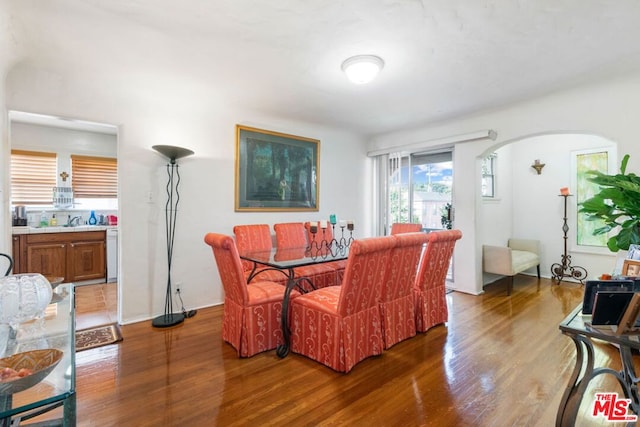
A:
(397, 304)
(430, 288)
(256, 237)
(402, 227)
(291, 235)
(252, 313)
(339, 326)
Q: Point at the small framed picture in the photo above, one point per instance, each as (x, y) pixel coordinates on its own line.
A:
(634, 252)
(631, 267)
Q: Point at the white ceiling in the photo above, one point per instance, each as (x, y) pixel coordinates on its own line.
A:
(444, 58)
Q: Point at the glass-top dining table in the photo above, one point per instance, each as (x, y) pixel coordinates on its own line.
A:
(286, 261)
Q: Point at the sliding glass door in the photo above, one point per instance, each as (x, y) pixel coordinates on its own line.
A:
(419, 189)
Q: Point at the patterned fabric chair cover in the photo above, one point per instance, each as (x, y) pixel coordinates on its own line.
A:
(397, 305)
(401, 227)
(430, 289)
(339, 326)
(293, 235)
(252, 313)
(256, 237)
(290, 235)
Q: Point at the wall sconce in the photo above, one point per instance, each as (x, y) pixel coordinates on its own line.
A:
(537, 166)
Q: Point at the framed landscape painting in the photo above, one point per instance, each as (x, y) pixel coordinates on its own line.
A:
(276, 171)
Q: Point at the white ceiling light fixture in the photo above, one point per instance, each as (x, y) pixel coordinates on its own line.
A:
(362, 69)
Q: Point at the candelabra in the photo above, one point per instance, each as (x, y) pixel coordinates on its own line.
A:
(564, 268)
(324, 247)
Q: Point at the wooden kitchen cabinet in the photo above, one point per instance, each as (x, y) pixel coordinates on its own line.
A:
(15, 251)
(86, 261)
(47, 259)
(76, 256)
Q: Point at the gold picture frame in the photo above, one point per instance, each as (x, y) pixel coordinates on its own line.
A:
(631, 267)
(276, 171)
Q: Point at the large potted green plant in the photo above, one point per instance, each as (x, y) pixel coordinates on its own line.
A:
(617, 205)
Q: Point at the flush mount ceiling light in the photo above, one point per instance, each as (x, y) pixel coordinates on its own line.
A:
(362, 69)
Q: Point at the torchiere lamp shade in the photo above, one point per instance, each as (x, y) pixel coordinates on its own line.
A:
(172, 152)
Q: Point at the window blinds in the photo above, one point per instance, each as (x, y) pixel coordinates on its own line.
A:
(94, 177)
(33, 176)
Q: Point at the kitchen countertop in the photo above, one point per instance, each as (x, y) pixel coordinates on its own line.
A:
(60, 229)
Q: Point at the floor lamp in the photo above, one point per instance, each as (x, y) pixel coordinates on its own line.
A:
(169, 318)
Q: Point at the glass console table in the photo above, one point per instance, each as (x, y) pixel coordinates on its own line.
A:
(577, 327)
(56, 330)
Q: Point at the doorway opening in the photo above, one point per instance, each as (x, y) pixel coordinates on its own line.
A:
(79, 148)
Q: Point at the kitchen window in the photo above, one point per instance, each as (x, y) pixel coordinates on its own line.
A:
(94, 177)
(33, 176)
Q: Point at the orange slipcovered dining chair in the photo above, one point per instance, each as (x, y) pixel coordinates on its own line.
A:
(397, 303)
(252, 313)
(291, 235)
(256, 237)
(402, 227)
(339, 326)
(430, 288)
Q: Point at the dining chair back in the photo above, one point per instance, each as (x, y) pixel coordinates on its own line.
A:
(290, 235)
(252, 313)
(397, 303)
(403, 227)
(293, 235)
(430, 286)
(339, 326)
(256, 237)
(252, 237)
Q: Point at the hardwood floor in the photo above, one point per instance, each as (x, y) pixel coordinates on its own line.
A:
(500, 361)
(96, 305)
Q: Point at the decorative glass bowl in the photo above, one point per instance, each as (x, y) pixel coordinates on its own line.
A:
(23, 297)
(39, 362)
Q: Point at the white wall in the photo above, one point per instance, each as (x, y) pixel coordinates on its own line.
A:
(605, 109)
(152, 115)
(7, 57)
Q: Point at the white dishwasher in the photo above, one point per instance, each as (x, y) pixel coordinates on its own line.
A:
(112, 255)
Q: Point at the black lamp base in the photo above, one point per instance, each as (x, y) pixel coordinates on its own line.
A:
(166, 320)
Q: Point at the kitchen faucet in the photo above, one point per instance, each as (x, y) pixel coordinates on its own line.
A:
(71, 221)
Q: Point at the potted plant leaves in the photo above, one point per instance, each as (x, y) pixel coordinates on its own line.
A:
(617, 204)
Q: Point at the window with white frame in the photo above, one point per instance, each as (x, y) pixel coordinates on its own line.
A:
(489, 176)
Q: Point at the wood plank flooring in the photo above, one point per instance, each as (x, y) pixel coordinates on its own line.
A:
(96, 305)
(500, 361)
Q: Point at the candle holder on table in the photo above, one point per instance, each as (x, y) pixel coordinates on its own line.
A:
(564, 268)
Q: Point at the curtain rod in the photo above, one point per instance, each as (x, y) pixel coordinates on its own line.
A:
(417, 146)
